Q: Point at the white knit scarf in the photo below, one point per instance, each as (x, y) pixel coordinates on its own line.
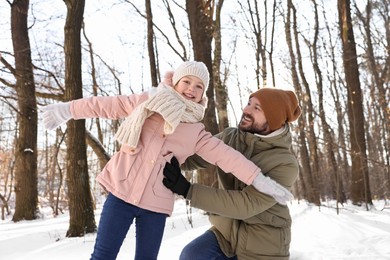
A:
(167, 102)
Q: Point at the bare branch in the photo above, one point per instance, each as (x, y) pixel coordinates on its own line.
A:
(7, 64)
(182, 56)
(51, 74)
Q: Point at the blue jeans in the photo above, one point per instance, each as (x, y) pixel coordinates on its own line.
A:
(115, 221)
(204, 247)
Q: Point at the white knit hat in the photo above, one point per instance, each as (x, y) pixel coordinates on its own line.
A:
(193, 68)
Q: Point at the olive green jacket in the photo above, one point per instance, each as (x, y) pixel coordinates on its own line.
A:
(248, 223)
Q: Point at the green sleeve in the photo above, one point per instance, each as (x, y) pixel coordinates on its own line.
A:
(230, 203)
(194, 162)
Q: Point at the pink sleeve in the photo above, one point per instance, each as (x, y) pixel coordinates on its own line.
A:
(225, 157)
(110, 107)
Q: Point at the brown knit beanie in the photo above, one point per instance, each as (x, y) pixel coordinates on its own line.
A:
(279, 106)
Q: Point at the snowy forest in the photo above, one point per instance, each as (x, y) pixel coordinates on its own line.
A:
(333, 54)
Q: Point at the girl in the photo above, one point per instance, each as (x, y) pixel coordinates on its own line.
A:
(160, 124)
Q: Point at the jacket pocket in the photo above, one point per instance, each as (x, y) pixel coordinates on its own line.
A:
(268, 219)
(159, 189)
(267, 240)
(223, 225)
(123, 162)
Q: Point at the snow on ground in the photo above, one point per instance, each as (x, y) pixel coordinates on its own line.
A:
(317, 233)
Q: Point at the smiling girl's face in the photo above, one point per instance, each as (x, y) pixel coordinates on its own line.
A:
(191, 88)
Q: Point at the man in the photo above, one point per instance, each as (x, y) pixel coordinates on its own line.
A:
(247, 224)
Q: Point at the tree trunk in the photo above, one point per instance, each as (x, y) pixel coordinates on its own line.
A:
(331, 164)
(379, 69)
(200, 16)
(272, 42)
(26, 186)
(309, 179)
(221, 93)
(360, 189)
(342, 170)
(95, 85)
(260, 34)
(98, 148)
(316, 178)
(80, 198)
(151, 52)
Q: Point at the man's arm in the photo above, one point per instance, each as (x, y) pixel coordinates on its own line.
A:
(194, 162)
(238, 204)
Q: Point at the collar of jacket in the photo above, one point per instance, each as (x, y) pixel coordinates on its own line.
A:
(274, 133)
(249, 144)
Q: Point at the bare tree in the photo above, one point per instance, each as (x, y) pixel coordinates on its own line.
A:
(331, 164)
(334, 80)
(97, 144)
(326, 142)
(54, 167)
(309, 176)
(254, 21)
(310, 134)
(200, 16)
(221, 92)
(151, 49)
(378, 138)
(95, 85)
(360, 189)
(271, 49)
(26, 186)
(7, 167)
(80, 198)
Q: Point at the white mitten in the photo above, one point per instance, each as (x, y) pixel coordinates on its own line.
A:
(267, 185)
(56, 114)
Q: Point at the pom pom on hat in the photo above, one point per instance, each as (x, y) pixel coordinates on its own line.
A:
(168, 78)
(193, 68)
(279, 106)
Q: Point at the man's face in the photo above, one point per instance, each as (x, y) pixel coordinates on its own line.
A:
(253, 119)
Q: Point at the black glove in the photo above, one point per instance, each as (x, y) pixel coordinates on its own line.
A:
(174, 180)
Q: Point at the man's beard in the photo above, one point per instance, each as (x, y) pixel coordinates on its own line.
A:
(253, 127)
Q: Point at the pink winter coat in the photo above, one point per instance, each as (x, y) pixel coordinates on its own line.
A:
(135, 175)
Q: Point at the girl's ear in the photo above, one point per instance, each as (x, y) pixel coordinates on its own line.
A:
(168, 78)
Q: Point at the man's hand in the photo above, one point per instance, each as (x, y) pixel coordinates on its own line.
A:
(174, 180)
